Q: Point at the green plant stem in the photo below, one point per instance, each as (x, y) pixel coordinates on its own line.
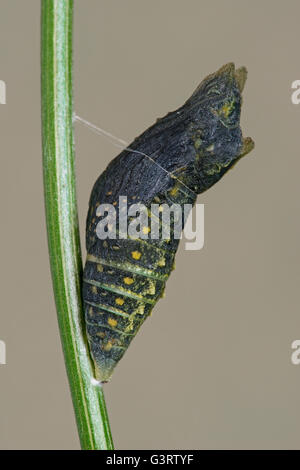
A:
(62, 221)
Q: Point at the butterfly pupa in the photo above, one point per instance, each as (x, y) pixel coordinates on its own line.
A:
(182, 155)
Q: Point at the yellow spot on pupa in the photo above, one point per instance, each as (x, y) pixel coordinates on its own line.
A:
(119, 301)
(146, 230)
(140, 310)
(99, 268)
(93, 220)
(112, 322)
(94, 289)
(227, 108)
(129, 327)
(210, 148)
(151, 288)
(156, 199)
(116, 247)
(91, 311)
(136, 254)
(109, 193)
(115, 203)
(162, 262)
(161, 208)
(107, 346)
(174, 191)
(128, 280)
(101, 334)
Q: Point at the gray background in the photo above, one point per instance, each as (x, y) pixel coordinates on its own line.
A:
(211, 368)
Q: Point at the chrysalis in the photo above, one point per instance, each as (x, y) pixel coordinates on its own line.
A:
(180, 156)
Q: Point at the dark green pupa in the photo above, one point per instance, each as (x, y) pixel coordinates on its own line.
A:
(193, 147)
